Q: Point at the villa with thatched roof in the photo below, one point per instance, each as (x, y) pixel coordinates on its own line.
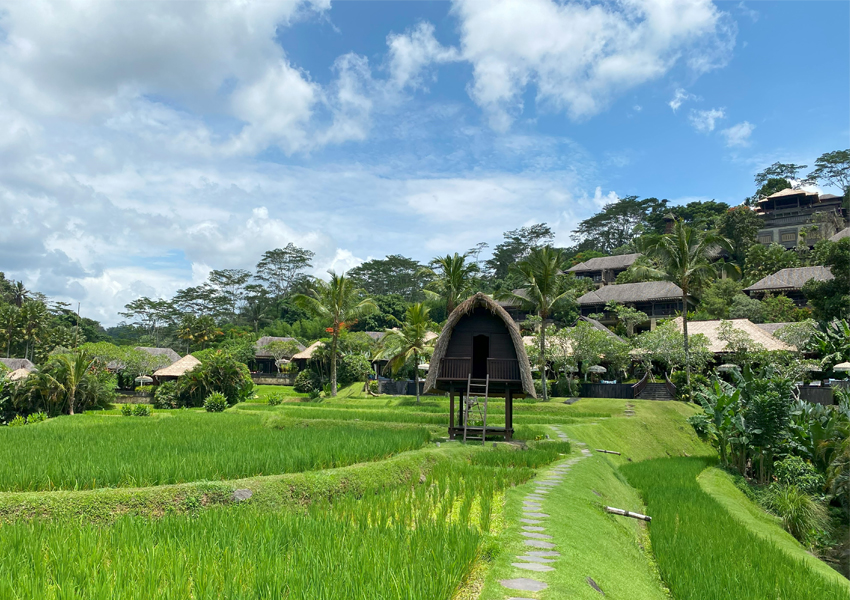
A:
(264, 362)
(604, 269)
(305, 355)
(175, 370)
(480, 350)
(658, 299)
(789, 282)
(13, 364)
(711, 330)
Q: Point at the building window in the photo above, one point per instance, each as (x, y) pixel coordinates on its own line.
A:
(765, 237)
(788, 237)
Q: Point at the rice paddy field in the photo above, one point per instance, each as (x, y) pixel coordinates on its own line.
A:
(353, 497)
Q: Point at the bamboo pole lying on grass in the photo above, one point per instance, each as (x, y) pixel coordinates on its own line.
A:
(608, 451)
(625, 513)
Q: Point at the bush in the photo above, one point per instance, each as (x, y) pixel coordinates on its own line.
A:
(36, 417)
(306, 381)
(315, 394)
(145, 389)
(141, 410)
(17, 421)
(701, 424)
(126, 410)
(802, 516)
(795, 471)
(215, 402)
(275, 399)
(538, 388)
(374, 387)
(219, 372)
(166, 396)
(353, 368)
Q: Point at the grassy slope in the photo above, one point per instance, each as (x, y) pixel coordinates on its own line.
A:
(720, 486)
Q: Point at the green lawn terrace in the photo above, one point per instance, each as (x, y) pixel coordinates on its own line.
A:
(353, 497)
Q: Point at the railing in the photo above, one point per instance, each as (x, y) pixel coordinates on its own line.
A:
(455, 368)
(640, 385)
(503, 369)
(671, 387)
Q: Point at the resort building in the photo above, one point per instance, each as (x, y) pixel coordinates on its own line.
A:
(786, 212)
(658, 299)
(711, 330)
(789, 282)
(264, 362)
(604, 270)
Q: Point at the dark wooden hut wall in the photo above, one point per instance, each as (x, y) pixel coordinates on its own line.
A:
(480, 321)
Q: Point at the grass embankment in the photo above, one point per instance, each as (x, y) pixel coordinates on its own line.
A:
(705, 554)
(87, 452)
(414, 541)
(720, 486)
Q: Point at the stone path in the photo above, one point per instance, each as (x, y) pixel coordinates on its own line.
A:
(534, 527)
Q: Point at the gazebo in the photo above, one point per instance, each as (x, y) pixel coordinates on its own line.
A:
(480, 354)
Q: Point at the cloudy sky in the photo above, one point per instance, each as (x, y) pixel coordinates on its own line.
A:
(144, 143)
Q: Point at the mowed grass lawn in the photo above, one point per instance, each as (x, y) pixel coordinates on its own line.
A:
(88, 451)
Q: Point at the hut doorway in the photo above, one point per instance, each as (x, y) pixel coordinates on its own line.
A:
(480, 354)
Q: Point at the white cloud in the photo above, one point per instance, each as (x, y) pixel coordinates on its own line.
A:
(751, 13)
(581, 55)
(637, 108)
(680, 96)
(410, 53)
(704, 120)
(738, 135)
(599, 200)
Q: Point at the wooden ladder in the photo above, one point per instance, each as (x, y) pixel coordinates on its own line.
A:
(472, 402)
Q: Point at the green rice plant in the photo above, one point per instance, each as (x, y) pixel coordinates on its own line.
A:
(802, 516)
(86, 451)
(539, 455)
(704, 554)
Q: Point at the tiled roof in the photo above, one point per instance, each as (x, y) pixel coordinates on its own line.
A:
(633, 292)
(790, 279)
(622, 261)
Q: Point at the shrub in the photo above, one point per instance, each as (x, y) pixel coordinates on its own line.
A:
(141, 410)
(215, 402)
(145, 389)
(17, 421)
(795, 471)
(219, 372)
(802, 516)
(306, 381)
(538, 388)
(166, 396)
(701, 424)
(36, 417)
(352, 368)
(275, 399)
(126, 410)
(315, 394)
(374, 387)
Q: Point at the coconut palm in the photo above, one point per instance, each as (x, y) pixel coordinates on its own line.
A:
(399, 345)
(9, 324)
(70, 374)
(452, 279)
(543, 284)
(339, 302)
(34, 316)
(684, 257)
(19, 293)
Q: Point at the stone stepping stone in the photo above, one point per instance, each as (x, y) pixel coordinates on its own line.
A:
(524, 585)
(541, 491)
(536, 536)
(539, 544)
(532, 506)
(531, 521)
(534, 497)
(543, 553)
(535, 515)
(536, 567)
(532, 528)
(537, 559)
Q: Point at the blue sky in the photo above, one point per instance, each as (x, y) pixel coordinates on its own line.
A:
(144, 144)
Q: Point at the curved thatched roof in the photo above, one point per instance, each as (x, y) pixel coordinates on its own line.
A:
(465, 308)
(184, 365)
(307, 353)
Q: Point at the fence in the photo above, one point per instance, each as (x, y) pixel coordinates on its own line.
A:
(607, 390)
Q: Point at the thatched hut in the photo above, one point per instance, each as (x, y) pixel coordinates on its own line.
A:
(13, 364)
(480, 343)
(173, 371)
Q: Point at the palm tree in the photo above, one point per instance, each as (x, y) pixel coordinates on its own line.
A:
(19, 293)
(9, 324)
(452, 281)
(400, 344)
(72, 370)
(340, 302)
(543, 285)
(685, 258)
(33, 325)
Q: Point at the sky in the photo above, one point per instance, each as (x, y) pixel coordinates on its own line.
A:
(143, 144)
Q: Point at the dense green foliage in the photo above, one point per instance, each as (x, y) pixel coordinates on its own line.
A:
(219, 372)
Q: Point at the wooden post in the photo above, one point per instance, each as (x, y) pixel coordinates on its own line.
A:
(452, 413)
(509, 414)
(625, 513)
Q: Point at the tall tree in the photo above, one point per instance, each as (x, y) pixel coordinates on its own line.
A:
(542, 285)
(33, 326)
(400, 345)
(149, 313)
(282, 268)
(394, 274)
(685, 258)
(739, 225)
(618, 223)
(257, 306)
(831, 299)
(70, 374)
(783, 171)
(452, 279)
(229, 285)
(20, 294)
(832, 168)
(699, 214)
(517, 245)
(10, 321)
(340, 302)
